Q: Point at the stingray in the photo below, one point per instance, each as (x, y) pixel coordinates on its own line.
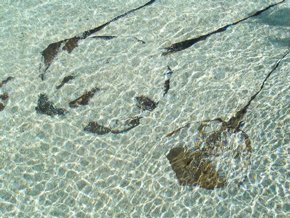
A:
(52, 50)
(213, 139)
(179, 46)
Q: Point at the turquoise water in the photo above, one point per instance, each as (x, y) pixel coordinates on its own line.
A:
(51, 167)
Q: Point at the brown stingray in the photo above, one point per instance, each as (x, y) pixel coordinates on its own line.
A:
(52, 50)
(193, 168)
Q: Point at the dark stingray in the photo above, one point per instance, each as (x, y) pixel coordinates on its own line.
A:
(195, 168)
(179, 46)
(235, 121)
(51, 51)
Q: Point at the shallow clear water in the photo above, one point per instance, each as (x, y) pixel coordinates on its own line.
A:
(50, 167)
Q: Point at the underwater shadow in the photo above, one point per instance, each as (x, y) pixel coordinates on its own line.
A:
(280, 17)
(281, 42)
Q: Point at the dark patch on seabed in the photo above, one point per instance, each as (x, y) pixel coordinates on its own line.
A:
(142, 102)
(2, 106)
(145, 103)
(65, 80)
(84, 99)
(195, 168)
(179, 46)
(112, 37)
(3, 82)
(4, 97)
(104, 37)
(168, 75)
(95, 127)
(45, 106)
(70, 44)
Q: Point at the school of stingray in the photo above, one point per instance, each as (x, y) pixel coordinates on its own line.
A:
(220, 146)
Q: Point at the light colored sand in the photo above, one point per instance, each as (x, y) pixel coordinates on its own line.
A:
(51, 167)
